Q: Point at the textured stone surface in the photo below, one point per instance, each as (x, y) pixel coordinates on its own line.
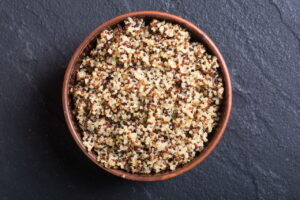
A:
(258, 157)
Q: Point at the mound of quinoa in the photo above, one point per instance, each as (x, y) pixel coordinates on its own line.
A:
(146, 97)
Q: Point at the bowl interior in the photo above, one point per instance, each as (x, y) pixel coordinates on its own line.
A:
(196, 35)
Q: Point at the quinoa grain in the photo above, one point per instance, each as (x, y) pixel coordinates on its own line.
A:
(146, 97)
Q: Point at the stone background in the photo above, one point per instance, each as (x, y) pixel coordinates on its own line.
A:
(258, 157)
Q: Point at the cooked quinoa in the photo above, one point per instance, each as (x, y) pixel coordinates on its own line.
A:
(146, 97)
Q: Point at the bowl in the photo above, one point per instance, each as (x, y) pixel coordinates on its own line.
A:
(197, 35)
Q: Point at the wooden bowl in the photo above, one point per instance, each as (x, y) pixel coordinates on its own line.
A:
(198, 35)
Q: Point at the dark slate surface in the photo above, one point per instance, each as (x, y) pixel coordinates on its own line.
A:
(258, 157)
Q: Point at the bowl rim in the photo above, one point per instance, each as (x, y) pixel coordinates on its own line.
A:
(205, 39)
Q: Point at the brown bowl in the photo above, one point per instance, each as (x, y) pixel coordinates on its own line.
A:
(198, 35)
